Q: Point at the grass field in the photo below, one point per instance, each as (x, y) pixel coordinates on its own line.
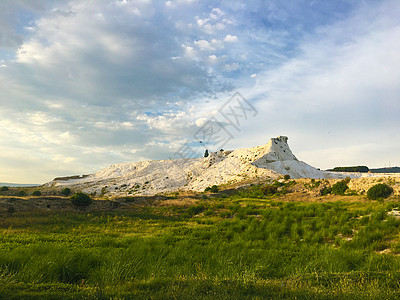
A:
(219, 248)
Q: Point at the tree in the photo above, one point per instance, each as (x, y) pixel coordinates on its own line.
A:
(206, 153)
(4, 189)
(339, 188)
(66, 192)
(379, 191)
(81, 199)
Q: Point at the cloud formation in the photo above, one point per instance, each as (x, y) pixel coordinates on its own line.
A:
(84, 84)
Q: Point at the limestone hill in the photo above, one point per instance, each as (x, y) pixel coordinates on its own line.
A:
(264, 162)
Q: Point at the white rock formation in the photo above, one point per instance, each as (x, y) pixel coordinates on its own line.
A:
(225, 167)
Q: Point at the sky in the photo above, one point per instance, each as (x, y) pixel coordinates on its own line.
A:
(87, 84)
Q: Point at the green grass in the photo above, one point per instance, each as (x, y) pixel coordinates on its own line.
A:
(220, 248)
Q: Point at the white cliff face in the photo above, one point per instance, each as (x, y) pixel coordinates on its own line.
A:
(277, 149)
(226, 167)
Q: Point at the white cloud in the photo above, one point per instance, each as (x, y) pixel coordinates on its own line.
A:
(39, 118)
(63, 159)
(213, 28)
(203, 45)
(169, 4)
(200, 122)
(112, 125)
(168, 122)
(216, 12)
(231, 38)
(201, 22)
(213, 58)
(231, 67)
(189, 51)
(213, 23)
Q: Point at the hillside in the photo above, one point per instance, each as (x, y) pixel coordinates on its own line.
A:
(237, 167)
(225, 167)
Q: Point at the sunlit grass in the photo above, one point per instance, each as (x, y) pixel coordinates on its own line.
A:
(217, 248)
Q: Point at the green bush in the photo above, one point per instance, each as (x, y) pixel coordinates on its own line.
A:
(379, 191)
(196, 209)
(313, 184)
(208, 212)
(212, 189)
(4, 189)
(286, 177)
(340, 187)
(81, 199)
(325, 191)
(269, 190)
(37, 193)
(66, 192)
(21, 194)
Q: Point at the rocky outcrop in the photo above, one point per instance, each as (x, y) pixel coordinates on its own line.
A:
(224, 167)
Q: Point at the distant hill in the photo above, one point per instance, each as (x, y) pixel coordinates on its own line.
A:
(361, 169)
(17, 184)
(386, 170)
(365, 169)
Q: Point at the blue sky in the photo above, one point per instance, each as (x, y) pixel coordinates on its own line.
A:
(86, 84)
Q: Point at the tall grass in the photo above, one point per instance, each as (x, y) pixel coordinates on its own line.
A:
(267, 250)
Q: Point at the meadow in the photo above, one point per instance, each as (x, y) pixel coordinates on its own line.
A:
(243, 246)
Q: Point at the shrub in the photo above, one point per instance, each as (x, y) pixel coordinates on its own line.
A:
(81, 199)
(212, 189)
(325, 191)
(21, 194)
(379, 191)
(208, 212)
(37, 193)
(66, 192)
(269, 190)
(4, 189)
(313, 184)
(206, 153)
(340, 187)
(286, 177)
(225, 214)
(194, 210)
